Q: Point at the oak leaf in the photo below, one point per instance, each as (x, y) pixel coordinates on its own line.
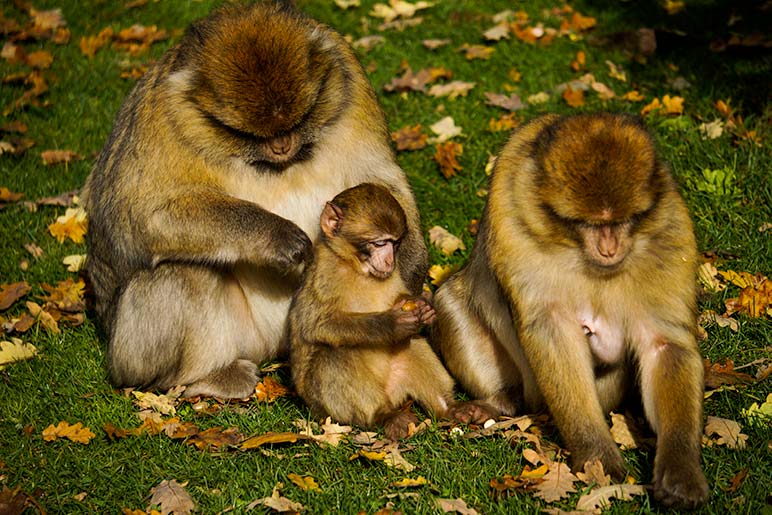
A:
(43, 317)
(455, 506)
(75, 432)
(66, 296)
(270, 389)
(10, 293)
(410, 138)
(452, 89)
(594, 474)
(728, 432)
(164, 404)
(276, 502)
(557, 483)
(719, 374)
(15, 350)
(711, 130)
(73, 225)
(216, 437)
(445, 129)
(510, 103)
(622, 433)
(737, 480)
(172, 497)
(497, 32)
(445, 156)
(601, 497)
(445, 241)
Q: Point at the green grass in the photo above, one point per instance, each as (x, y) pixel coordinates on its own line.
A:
(68, 381)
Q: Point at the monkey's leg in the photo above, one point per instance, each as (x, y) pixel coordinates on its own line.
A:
(562, 364)
(672, 387)
(472, 352)
(179, 324)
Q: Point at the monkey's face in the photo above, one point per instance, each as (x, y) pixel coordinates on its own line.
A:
(601, 179)
(268, 81)
(378, 257)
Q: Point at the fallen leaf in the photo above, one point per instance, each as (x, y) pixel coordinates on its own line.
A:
(332, 433)
(34, 250)
(75, 432)
(89, 45)
(633, 96)
(445, 241)
(556, 484)
(673, 105)
(601, 497)
(15, 350)
(510, 103)
(711, 130)
(455, 506)
(398, 8)
(216, 438)
(505, 122)
(497, 32)
(654, 105)
(579, 61)
(394, 459)
(410, 81)
(615, 73)
(14, 501)
(66, 296)
(368, 42)
(440, 273)
(345, 4)
(737, 480)
(164, 404)
(728, 432)
(433, 44)
(445, 129)
(73, 225)
(47, 20)
(7, 196)
(538, 98)
(445, 156)
(10, 293)
(760, 414)
(621, 432)
(368, 455)
(74, 262)
(172, 497)
(410, 138)
(271, 438)
(594, 474)
(40, 59)
(476, 51)
(276, 502)
(52, 157)
(410, 482)
(710, 316)
(306, 483)
(66, 199)
(270, 389)
(718, 374)
(43, 317)
(452, 89)
(573, 97)
(706, 275)
(603, 91)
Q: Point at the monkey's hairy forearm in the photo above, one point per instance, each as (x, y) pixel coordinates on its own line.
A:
(211, 227)
(356, 329)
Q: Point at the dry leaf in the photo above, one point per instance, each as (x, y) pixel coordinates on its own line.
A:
(603, 91)
(271, 438)
(332, 433)
(164, 404)
(89, 45)
(633, 96)
(270, 389)
(476, 51)
(10, 293)
(410, 138)
(52, 157)
(579, 61)
(440, 273)
(706, 275)
(615, 73)
(345, 4)
(394, 459)
(34, 250)
(444, 240)
(510, 103)
(455, 506)
(397, 9)
(538, 98)
(368, 42)
(737, 481)
(214, 437)
(276, 502)
(306, 483)
(505, 122)
(7, 196)
(728, 432)
(445, 129)
(40, 59)
(433, 44)
(73, 225)
(720, 320)
(652, 106)
(76, 432)
(621, 432)
(452, 89)
(47, 20)
(74, 262)
(368, 455)
(497, 32)
(172, 497)
(711, 130)
(674, 105)
(600, 498)
(573, 97)
(557, 483)
(66, 296)
(15, 350)
(410, 482)
(594, 474)
(43, 317)
(445, 156)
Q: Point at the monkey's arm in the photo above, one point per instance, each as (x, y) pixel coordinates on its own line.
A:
(205, 225)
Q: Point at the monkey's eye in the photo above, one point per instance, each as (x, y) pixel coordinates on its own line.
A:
(380, 243)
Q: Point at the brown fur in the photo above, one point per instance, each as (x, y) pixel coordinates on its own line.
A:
(205, 200)
(511, 324)
(355, 352)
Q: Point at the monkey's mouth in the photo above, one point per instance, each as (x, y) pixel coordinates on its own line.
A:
(605, 268)
(280, 162)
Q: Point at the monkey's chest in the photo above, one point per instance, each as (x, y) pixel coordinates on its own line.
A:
(605, 337)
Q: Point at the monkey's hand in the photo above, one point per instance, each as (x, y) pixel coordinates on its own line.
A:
(409, 315)
(289, 245)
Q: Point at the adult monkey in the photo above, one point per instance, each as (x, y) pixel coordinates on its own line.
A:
(582, 283)
(204, 202)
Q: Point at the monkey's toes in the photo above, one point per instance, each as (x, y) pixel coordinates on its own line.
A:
(681, 489)
(398, 426)
(472, 412)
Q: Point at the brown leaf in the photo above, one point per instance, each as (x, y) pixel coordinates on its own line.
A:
(728, 432)
(445, 156)
(47, 20)
(579, 61)
(34, 250)
(573, 97)
(270, 389)
(505, 122)
(557, 483)
(600, 498)
(40, 59)
(455, 506)
(75, 432)
(14, 501)
(654, 105)
(14, 126)
(66, 199)
(510, 103)
(622, 432)
(410, 81)
(433, 44)
(43, 317)
(66, 296)
(673, 105)
(277, 503)
(718, 374)
(216, 437)
(737, 481)
(476, 51)
(452, 89)
(10, 293)
(7, 196)
(89, 45)
(368, 42)
(497, 32)
(271, 438)
(13, 53)
(53, 157)
(410, 138)
(171, 497)
(594, 474)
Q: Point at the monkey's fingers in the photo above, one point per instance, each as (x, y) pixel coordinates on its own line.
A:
(293, 247)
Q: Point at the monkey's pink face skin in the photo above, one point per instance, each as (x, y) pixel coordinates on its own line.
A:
(606, 245)
(380, 262)
(280, 149)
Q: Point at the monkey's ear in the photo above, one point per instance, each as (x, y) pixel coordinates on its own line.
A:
(331, 218)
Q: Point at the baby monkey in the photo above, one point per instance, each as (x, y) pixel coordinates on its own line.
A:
(355, 352)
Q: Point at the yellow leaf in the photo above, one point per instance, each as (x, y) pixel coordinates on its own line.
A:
(73, 225)
(304, 482)
(410, 482)
(674, 105)
(15, 350)
(445, 241)
(573, 97)
(633, 96)
(439, 273)
(257, 441)
(535, 473)
(741, 279)
(654, 105)
(370, 455)
(75, 432)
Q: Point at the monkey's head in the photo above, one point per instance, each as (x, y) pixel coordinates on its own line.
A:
(267, 80)
(601, 178)
(364, 226)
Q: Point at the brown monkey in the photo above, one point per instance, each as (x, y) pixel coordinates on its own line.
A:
(582, 281)
(354, 350)
(206, 198)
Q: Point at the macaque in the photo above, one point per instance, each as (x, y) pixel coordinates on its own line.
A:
(204, 203)
(355, 352)
(582, 284)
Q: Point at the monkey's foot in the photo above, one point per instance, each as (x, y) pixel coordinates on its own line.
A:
(681, 486)
(611, 458)
(472, 412)
(397, 425)
(236, 381)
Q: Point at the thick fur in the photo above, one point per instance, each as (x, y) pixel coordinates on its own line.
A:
(511, 324)
(206, 198)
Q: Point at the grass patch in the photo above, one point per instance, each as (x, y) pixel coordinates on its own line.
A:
(725, 182)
